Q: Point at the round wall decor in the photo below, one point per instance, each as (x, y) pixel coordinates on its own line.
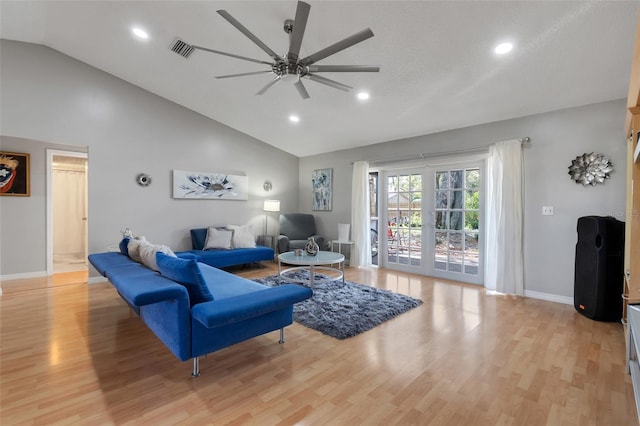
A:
(143, 179)
(590, 169)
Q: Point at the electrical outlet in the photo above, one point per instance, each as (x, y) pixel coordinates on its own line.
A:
(547, 210)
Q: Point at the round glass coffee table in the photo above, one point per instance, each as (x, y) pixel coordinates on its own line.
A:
(322, 261)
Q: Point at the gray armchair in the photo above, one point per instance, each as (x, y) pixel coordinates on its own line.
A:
(295, 229)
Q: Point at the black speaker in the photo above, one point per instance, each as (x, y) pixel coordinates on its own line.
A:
(599, 268)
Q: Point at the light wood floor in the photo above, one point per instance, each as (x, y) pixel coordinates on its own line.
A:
(74, 354)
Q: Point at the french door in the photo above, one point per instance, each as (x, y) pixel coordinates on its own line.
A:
(433, 218)
(456, 245)
(403, 235)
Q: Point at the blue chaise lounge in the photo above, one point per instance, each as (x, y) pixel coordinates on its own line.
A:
(196, 309)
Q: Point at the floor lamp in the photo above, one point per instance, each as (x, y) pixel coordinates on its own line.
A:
(270, 206)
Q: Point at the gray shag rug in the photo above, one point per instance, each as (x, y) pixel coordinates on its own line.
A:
(345, 310)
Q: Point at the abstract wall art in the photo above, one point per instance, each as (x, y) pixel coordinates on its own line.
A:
(321, 184)
(14, 174)
(210, 186)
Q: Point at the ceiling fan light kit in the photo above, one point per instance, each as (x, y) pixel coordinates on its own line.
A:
(290, 67)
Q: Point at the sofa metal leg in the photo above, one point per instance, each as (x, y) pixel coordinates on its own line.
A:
(196, 367)
(281, 335)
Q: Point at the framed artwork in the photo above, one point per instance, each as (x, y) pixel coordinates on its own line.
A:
(210, 186)
(321, 185)
(14, 174)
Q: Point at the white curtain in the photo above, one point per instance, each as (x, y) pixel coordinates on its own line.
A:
(360, 217)
(504, 270)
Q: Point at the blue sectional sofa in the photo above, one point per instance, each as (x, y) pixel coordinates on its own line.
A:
(196, 309)
(222, 258)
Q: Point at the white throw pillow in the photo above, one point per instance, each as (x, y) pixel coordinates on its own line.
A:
(218, 238)
(148, 254)
(134, 248)
(242, 236)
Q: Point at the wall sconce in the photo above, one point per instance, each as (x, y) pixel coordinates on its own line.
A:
(270, 206)
(267, 186)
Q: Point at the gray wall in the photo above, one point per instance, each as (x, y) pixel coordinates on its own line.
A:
(49, 97)
(557, 138)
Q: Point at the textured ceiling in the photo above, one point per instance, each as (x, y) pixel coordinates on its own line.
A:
(438, 69)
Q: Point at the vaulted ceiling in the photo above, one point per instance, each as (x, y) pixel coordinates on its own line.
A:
(438, 67)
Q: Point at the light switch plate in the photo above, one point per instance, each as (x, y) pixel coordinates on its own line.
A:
(547, 210)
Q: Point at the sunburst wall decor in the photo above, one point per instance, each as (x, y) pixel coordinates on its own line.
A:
(590, 169)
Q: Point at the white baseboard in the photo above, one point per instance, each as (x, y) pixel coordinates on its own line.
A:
(97, 280)
(23, 276)
(549, 297)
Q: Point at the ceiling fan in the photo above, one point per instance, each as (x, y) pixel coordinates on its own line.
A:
(290, 67)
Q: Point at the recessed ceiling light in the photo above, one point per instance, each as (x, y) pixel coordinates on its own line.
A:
(294, 118)
(503, 48)
(363, 96)
(140, 33)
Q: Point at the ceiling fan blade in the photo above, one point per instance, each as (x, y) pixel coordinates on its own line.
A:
(268, 85)
(299, 25)
(301, 89)
(242, 74)
(232, 55)
(343, 68)
(328, 82)
(247, 33)
(337, 47)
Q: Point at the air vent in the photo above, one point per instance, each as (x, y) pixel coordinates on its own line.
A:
(182, 48)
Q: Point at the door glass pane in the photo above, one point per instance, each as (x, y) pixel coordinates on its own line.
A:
(416, 183)
(455, 241)
(455, 221)
(456, 178)
(457, 199)
(442, 199)
(472, 200)
(392, 184)
(404, 183)
(455, 261)
(441, 251)
(471, 253)
(415, 246)
(416, 219)
(471, 221)
(442, 180)
(472, 180)
(441, 220)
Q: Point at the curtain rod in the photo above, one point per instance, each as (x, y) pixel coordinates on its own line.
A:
(381, 161)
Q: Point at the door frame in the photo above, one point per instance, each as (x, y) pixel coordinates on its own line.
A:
(427, 167)
(49, 197)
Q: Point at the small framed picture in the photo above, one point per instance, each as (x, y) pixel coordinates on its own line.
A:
(14, 174)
